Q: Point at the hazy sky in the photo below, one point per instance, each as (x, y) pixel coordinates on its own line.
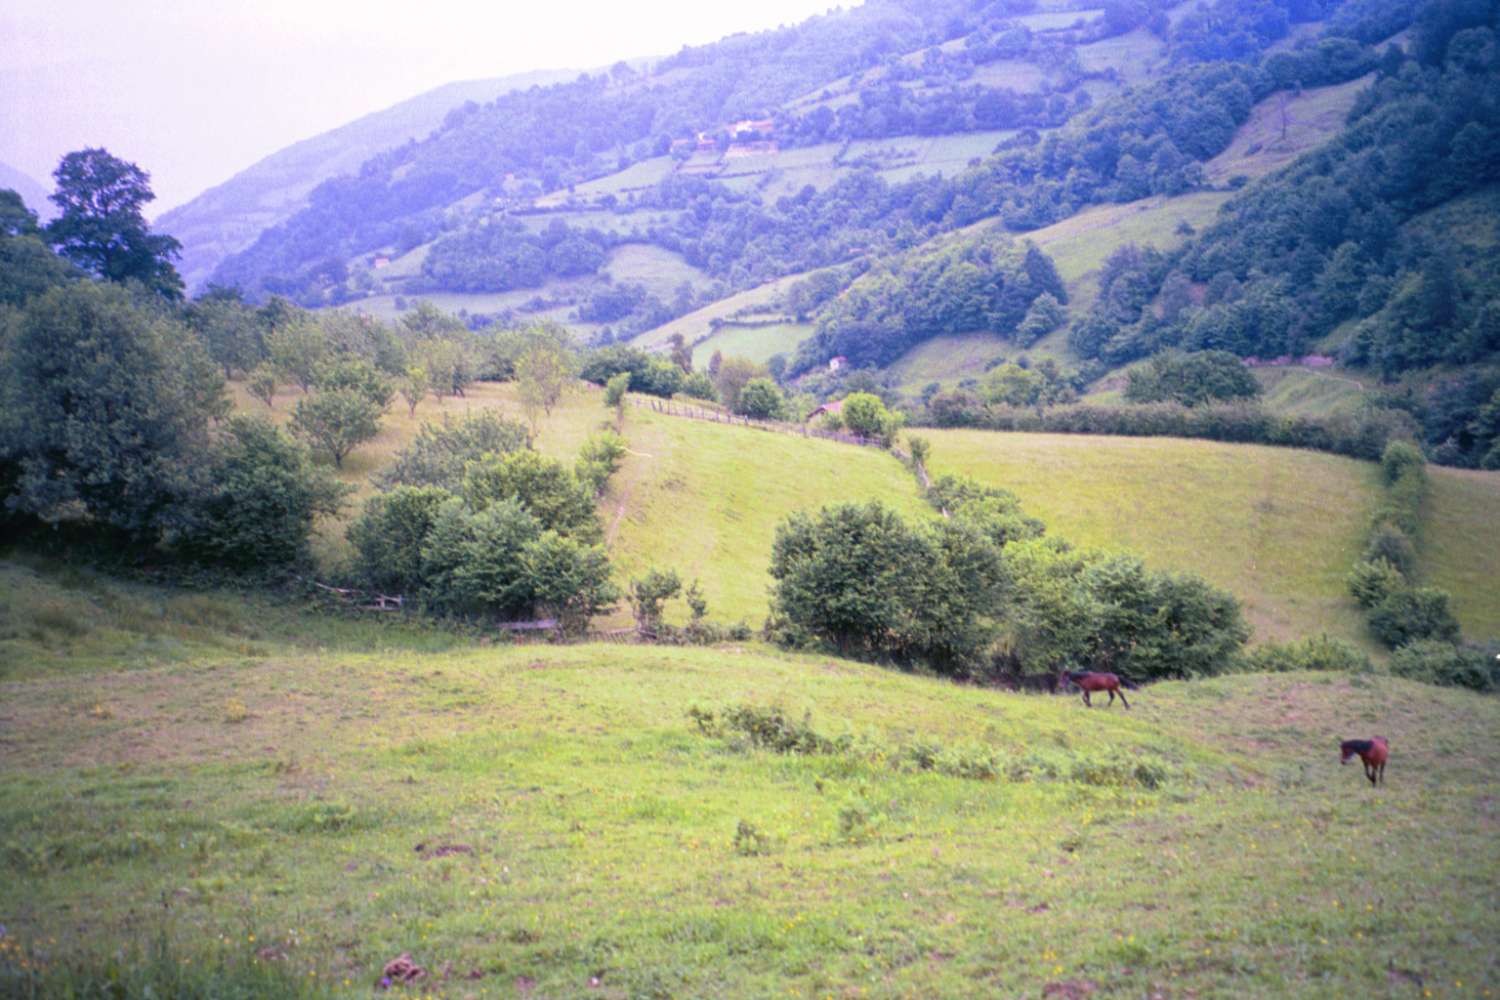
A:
(195, 90)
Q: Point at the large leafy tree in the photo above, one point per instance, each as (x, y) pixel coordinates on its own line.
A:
(101, 228)
(104, 409)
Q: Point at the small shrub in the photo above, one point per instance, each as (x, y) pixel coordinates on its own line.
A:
(1373, 581)
(859, 821)
(1408, 615)
(1442, 663)
(615, 389)
(770, 729)
(1314, 653)
(1399, 459)
(235, 711)
(1390, 544)
(749, 841)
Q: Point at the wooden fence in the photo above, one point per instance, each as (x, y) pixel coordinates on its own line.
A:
(677, 408)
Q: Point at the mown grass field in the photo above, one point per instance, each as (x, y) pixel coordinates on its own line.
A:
(1279, 528)
(1283, 127)
(758, 343)
(547, 821)
(704, 499)
(1459, 550)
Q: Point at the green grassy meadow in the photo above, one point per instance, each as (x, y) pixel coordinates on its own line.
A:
(705, 498)
(548, 821)
(758, 343)
(1277, 527)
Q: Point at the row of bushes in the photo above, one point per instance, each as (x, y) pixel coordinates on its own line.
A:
(1359, 435)
(980, 591)
(1431, 661)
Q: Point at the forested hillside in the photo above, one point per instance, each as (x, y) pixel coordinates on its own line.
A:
(227, 218)
(1142, 96)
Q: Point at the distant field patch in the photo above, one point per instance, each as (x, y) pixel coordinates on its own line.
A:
(1055, 19)
(660, 270)
(948, 360)
(1277, 527)
(758, 343)
(1081, 243)
(1307, 392)
(1014, 74)
(696, 325)
(1283, 127)
(1134, 55)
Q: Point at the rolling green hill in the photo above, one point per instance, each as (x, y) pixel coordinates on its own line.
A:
(1279, 528)
(550, 821)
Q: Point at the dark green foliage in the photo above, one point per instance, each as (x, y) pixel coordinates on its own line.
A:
(542, 485)
(336, 421)
(569, 579)
(231, 331)
(1319, 243)
(355, 374)
(1067, 609)
(994, 512)
(1390, 545)
(1373, 580)
(598, 458)
(859, 579)
(105, 405)
(472, 560)
(1191, 379)
(648, 373)
(1360, 435)
(699, 385)
(985, 284)
(438, 454)
(761, 399)
(1402, 459)
(615, 388)
(1448, 665)
(259, 500)
(100, 226)
(390, 534)
(865, 414)
(1411, 614)
(505, 255)
(649, 595)
(28, 268)
(1321, 652)
(1160, 625)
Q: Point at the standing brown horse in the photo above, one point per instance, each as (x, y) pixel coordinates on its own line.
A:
(1372, 752)
(1092, 680)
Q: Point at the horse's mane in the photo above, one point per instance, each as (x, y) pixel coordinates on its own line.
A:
(1356, 746)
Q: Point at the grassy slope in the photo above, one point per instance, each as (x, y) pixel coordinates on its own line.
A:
(695, 325)
(758, 343)
(705, 498)
(1276, 527)
(1459, 549)
(1311, 117)
(277, 800)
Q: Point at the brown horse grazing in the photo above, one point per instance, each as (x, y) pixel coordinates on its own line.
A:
(1092, 680)
(1372, 752)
